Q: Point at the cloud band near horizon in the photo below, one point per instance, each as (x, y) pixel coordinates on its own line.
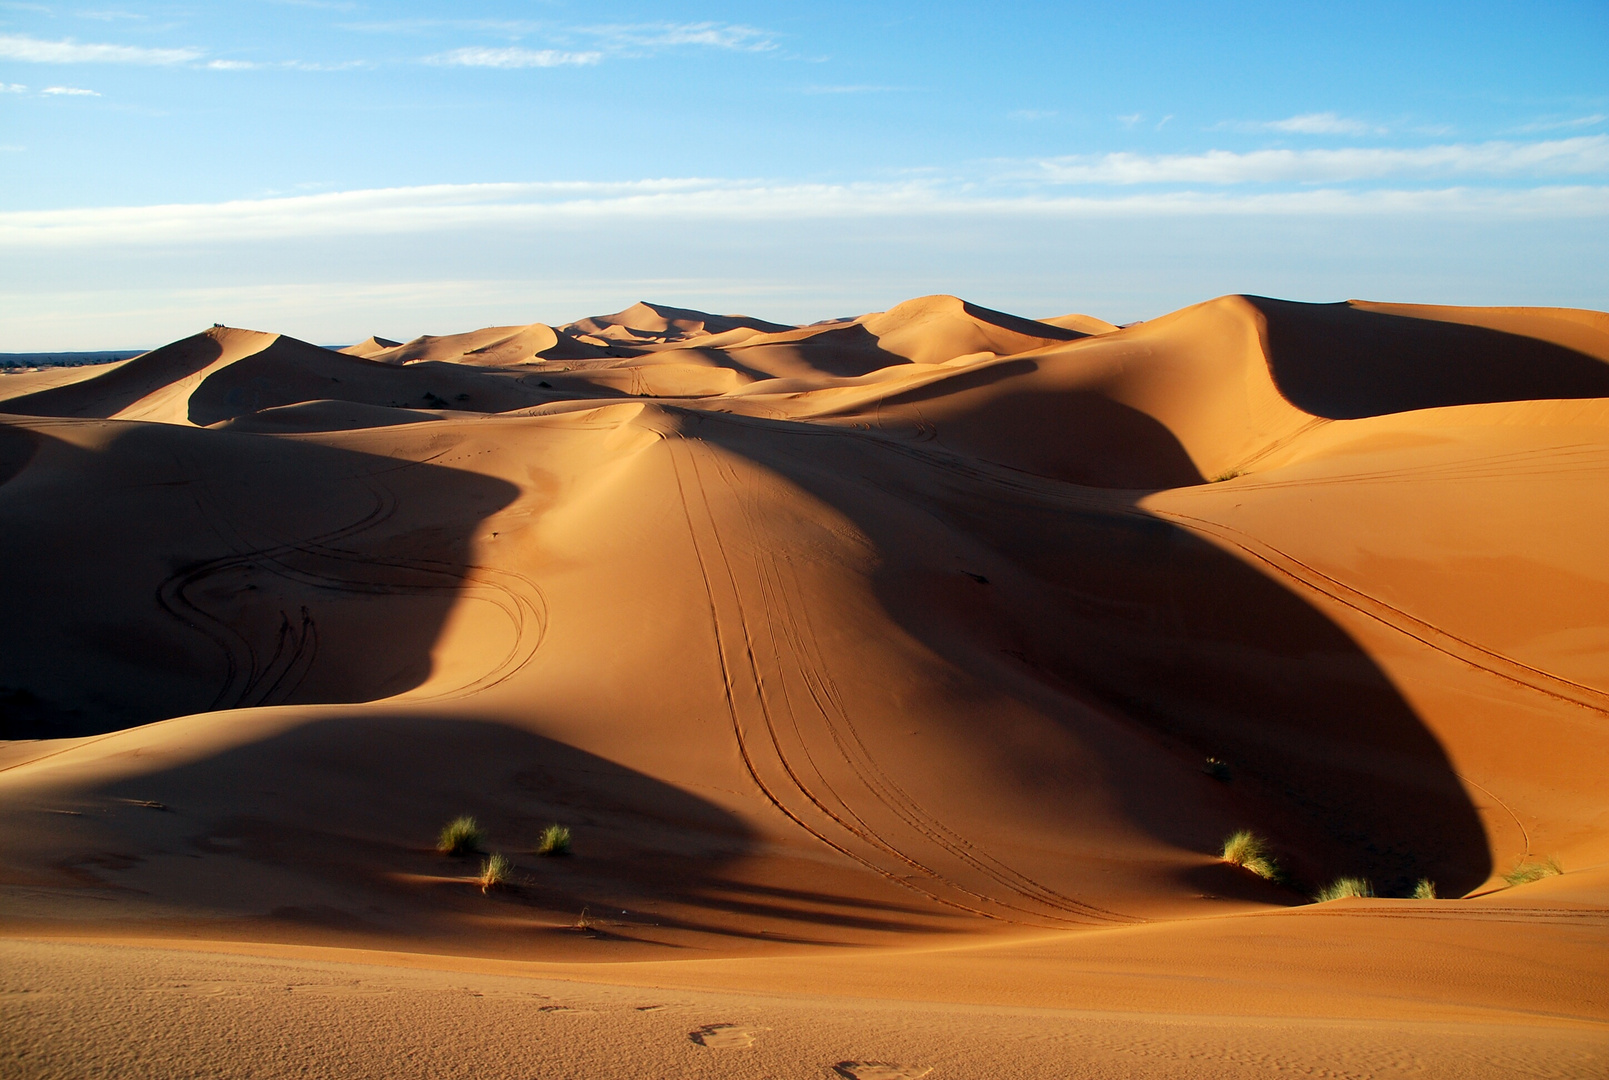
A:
(430, 208)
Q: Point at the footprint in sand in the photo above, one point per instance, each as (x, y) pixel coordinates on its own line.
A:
(723, 1036)
(879, 1070)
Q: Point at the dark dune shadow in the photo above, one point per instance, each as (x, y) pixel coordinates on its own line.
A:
(290, 372)
(1087, 597)
(846, 352)
(1079, 436)
(115, 390)
(354, 803)
(1019, 325)
(1341, 362)
(17, 447)
(337, 818)
(175, 570)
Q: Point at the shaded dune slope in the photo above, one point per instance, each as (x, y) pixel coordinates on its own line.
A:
(923, 622)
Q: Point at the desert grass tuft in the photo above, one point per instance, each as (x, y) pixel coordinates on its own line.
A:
(1425, 889)
(1227, 474)
(1343, 888)
(1525, 872)
(460, 836)
(494, 871)
(1250, 852)
(555, 840)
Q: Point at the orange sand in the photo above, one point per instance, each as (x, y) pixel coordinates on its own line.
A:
(875, 665)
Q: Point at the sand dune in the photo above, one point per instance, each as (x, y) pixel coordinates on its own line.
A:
(955, 636)
(370, 346)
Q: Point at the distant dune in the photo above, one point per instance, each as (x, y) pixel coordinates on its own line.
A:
(959, 637)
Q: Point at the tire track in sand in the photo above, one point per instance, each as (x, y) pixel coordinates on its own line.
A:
(786, 749)
(319, 562)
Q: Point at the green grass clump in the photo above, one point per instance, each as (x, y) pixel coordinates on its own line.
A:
(460, 836)
(1342, 888)
(1526, 872)
(1227, 474)
(494, 871)
(1250, 852)
(555, 840)
(1425, 889)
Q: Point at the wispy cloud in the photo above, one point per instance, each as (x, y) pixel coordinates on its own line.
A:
(35, 50)
(417, 26)
(1574, 123)
(661, 35)
(458, 207)
(1586, 155)
(514, 57)
(284, 65)
(69, 91)
(13, 88)
(1322, 123)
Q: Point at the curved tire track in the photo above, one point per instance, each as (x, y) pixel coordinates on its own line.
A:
(793, 648)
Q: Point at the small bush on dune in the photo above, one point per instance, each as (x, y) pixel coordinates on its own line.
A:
(1250, 852)
(494, 871)
(1342, 888)
(1526, 872)
(1425, 889)
(460, 836)
(555, 840)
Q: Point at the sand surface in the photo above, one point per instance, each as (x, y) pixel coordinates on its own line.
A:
(898, 677)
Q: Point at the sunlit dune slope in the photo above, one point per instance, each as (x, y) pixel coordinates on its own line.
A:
(370, 346)
(878, 630)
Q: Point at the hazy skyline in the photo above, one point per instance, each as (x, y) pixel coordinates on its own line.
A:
(337, 169)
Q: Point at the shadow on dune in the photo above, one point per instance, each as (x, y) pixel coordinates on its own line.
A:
(1019, 325)
(174, 570)
(1065, 593)
(1342, 362)
(353, 803)
(1080, 436)
(109, 393)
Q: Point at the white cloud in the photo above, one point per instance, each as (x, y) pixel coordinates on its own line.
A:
(287, 65)
(455, 207)
(17, 47)
(1563, 125)
(69, 91)
(666, 34)
(13, 88)
(1562, 157)
(514, 58)
(1325, 123)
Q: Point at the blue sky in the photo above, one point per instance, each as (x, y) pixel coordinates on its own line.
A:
(333, 169)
